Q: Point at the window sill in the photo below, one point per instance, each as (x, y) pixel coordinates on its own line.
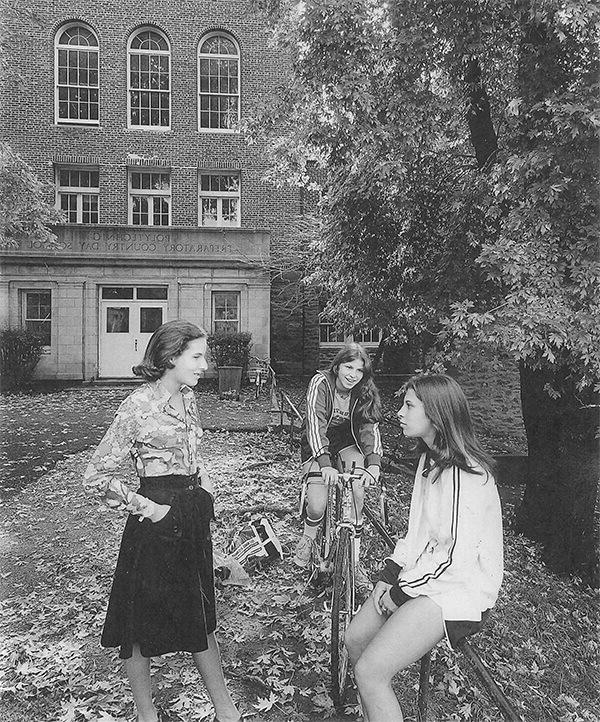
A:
(148, 129)
(78, 126)
(219, 131)
(338, 344)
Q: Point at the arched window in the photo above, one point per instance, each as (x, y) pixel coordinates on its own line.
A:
(149, 80)
(219, 83)
(76, 95)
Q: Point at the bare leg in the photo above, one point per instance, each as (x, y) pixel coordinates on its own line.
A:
(316, 499)
(137, 669)
(405, 637)
(209, 666)
(348, 456)
(363, 627)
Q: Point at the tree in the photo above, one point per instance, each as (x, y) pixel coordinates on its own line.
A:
(458, 199)
(545, 199)
(23, 211)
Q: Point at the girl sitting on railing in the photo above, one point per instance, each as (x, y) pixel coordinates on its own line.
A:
(444, 576)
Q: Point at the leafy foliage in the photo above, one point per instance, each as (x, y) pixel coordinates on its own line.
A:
(230, 349)
(20, 351)
(24, 212)
(416, 234)
(456, 145)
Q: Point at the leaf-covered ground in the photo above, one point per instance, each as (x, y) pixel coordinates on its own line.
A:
(39, 429)
(59, 550)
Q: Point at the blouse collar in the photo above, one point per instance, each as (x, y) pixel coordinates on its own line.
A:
(162, 396)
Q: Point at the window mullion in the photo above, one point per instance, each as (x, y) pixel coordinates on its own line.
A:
(79, 207)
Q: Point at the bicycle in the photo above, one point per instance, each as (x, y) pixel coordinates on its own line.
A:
(264, 375)
(336, 559)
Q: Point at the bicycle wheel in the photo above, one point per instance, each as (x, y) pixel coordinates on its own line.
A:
(341, 614)
(321, 570)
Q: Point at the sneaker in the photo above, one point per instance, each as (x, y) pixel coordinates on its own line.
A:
(304, 551)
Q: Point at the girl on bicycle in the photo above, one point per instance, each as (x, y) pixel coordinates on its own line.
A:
(162, 598)
(341, 428)
(444, 576)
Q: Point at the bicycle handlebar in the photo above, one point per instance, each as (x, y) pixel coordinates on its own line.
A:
(343, 476)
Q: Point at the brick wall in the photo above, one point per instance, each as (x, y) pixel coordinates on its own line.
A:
(28, 122)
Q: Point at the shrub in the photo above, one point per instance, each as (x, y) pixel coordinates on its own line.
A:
(230, 349)
(20, 350)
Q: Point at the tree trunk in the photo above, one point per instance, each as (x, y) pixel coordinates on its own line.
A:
(560, 503)
(560, 506)
(481, 129)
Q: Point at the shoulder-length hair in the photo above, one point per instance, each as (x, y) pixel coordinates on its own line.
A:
(447, 408)
(369, 403)
(168, 342)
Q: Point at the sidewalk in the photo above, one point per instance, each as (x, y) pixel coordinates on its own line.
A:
(39, 429)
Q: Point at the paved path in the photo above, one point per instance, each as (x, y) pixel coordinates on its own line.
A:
(38, 429)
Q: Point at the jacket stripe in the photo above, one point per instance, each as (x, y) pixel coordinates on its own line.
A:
(377, 445)
(312, 421)
(454, 533)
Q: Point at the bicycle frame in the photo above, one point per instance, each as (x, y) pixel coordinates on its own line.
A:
(264, 375)
(337, 559)
(338, 515)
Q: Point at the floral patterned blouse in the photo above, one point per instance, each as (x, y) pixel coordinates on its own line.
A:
(157, 437)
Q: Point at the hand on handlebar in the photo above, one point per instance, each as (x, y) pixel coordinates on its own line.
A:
(329, 474)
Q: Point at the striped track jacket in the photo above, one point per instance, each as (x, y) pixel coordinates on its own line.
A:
(319, 410)
(452, 552)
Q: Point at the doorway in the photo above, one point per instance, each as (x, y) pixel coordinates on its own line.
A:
(129, 315)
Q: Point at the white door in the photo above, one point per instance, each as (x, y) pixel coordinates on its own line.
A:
(125, 328)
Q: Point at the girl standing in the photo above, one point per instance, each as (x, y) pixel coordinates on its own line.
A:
(162, 599)
(444, 576)
(341, 428)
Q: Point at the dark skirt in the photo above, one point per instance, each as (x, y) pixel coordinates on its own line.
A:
(163, 595)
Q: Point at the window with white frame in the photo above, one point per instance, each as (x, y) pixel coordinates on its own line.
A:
(219, 199)
(218, 83)
(76, 74)
(331, 334)
(37, 314)
(149, 198)
(77, 191)
(149, 80)
(371, 337)
(226, 311)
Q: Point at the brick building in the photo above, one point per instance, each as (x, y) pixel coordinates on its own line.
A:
(129, 109)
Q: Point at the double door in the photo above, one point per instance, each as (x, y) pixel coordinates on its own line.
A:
(125, 328)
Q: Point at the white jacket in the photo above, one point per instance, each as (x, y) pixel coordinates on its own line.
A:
(453, 550)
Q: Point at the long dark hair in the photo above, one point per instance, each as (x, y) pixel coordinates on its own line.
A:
(369, 403)
(447, 408)
(167, 342)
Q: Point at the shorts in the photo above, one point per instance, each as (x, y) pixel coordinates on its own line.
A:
(340, 437)
(456, 630)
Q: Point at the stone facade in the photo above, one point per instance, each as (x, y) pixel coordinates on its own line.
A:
(189, 261)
